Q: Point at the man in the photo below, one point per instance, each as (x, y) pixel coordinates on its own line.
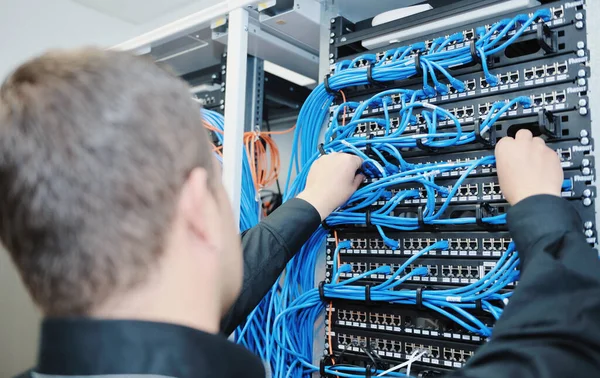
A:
(113, 212)
(112, 208)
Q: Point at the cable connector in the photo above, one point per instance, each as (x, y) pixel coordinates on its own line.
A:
(459, 85)
(442, 89)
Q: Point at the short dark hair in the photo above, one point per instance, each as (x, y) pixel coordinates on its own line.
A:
(95, 147)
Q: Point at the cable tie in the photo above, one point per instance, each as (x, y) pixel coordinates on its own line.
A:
(368, 218)
(323, 363)
(369, 147)
(368, 295)
(418, 67)
(478, 305)
(325, 225)
(474, 54)
(332, 92)
(420, 217)
(491, 140)
(368, 371)
(419, 297)
(322, 292)
(370, 77)
(322, 149)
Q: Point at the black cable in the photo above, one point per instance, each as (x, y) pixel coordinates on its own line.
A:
(375, 365)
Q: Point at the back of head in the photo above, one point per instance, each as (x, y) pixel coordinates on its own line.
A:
(94, 149)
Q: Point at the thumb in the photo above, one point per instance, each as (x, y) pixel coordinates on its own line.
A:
(358, 179)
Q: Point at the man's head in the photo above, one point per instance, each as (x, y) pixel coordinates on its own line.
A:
(108, 184)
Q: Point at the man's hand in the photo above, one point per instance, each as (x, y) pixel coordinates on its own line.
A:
(527, 167)
(331, 181)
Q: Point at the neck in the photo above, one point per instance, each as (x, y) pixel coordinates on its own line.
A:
(166, 299)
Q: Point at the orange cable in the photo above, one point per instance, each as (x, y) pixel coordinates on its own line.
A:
(331, 303)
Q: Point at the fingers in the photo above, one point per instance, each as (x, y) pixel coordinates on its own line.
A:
(356, 161)
(524, 134)
(358, 179)
(539, 141)
(503, 145)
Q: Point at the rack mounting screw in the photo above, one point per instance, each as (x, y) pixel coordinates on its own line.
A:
(581, 82)
(579, 16)
(588, 225)
(581, 53)
(587, 202)
(586, 172)
(331, 41)
(585, 141)
(582, 102)
(579, 24)
(581, 73)
(585, 163)
(580, 45)
(583, 133)
(589, 233)
(583, 111)
(333, 20)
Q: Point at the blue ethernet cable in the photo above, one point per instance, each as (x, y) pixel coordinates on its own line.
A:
(292, 307)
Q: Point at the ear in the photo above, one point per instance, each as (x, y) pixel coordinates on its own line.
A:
(199, 208)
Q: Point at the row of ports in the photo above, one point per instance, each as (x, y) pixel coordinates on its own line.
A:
(467, 190)
(495, 244)
(549, 98)
(460, 271)
(465, 111)
(490, 188)
(467, 244)
(458, 355)
(418, 243)
(456, 162)
(470, 85)
(432, 351)
(508, 77)
(451, 271)
(386, 319)
(386, 345)
(546, 70)
(463, 244)
(353, 316)
(344, 339)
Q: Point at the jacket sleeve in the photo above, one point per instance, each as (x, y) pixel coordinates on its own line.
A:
(267, 248)
(551, 326)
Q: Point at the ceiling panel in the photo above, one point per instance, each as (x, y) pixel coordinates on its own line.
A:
(136, 12)
(358, 10)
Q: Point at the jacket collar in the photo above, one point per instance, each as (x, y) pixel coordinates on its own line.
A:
(80, 347)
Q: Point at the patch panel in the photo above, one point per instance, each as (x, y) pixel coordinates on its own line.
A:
(573, 155)
(397, 347)
(404, 320)
(563, 69)
(563, 103)
(440, 271)
(556, 83)
(487, 189)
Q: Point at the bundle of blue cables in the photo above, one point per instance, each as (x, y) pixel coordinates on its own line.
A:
(250, 205)
(281, 329)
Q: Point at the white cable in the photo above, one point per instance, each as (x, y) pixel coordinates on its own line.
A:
(411, 359)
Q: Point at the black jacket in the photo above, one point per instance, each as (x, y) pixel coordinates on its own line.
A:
(550, 329)
(84, 347)
(551, 326)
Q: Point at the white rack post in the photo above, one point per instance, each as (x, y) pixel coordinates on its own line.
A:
(235, 108)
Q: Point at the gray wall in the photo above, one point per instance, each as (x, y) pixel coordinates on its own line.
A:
(19, 321)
